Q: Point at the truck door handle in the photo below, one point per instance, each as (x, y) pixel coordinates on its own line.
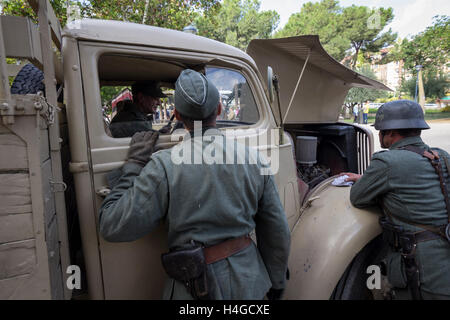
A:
(103, 191)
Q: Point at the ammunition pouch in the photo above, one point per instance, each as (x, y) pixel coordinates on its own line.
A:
(405, 243)
(189, 267)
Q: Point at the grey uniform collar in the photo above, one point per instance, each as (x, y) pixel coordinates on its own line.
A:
(408, 141)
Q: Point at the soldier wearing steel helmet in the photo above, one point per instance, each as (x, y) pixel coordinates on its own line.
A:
(411, 183)
(209, 209)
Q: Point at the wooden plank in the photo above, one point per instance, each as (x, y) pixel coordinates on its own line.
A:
(45, 150)
(56, 279)
(8, 287)
(13, 153)
(53, 21)
(49, 202)
(16, 227)
(17, 258)
(15, 193)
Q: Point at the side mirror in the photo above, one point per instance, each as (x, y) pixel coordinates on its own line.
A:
(270, 83)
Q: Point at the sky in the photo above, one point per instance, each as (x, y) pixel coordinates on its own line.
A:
(410, 16)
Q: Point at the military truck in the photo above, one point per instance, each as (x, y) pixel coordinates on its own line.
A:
(55, 153)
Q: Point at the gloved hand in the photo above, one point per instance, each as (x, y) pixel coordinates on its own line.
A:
(275, 294)
(142, 146)
(166, 129)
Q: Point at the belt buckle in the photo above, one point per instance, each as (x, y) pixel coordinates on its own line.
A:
(447, 232)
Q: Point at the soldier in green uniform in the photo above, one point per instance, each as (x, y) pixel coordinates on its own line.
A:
(209, 209)
(137, 116)
(404, 182)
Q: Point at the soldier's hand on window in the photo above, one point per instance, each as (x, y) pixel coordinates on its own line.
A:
(351, 176)
(142, 146)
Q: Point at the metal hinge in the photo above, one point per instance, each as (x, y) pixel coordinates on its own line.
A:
(54, 184)
(103, 191)
(46, 110)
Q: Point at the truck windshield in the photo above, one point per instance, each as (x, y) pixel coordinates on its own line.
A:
(237, 98)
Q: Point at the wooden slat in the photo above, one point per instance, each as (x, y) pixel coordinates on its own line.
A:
(49, 202)
(54, 264)
(16, 227)
(45, 150)
(8, 287)
(53, 21)
(17, 258)
(15, 193)
(13, 153)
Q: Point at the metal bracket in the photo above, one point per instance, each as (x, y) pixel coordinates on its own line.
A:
(103, 191)
(53, 185)
(46, 110)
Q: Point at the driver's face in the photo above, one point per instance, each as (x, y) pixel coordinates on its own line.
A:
(149, 104)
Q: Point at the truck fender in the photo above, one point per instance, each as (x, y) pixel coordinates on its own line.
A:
(328, 235)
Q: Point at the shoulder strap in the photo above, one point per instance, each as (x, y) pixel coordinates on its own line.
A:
(434, 159)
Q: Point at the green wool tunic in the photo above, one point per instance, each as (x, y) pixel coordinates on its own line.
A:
(206, 203)
(409, 188)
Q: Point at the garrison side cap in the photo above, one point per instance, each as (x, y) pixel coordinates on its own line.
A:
(196, 97)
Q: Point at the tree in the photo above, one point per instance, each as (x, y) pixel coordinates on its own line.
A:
(362, 26)
(429, 48)
(340, 30)
(22, 8)
(359, 95)
(172, 14)
(435, 86)
(238, 22)
(324, 19)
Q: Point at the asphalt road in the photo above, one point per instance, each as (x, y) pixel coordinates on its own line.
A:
(437, 136)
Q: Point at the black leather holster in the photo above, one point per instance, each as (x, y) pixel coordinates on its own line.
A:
(189, 267)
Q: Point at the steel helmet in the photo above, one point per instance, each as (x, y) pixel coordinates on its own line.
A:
(400, 114)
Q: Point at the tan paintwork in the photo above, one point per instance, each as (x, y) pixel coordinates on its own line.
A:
(326, 238)
(323, 87)
(329, 233)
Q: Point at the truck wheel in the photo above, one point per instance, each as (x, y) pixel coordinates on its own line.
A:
(352, 285)
(29, 80)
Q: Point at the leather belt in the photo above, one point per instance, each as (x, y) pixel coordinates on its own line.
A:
(225, 249)
(429, 235)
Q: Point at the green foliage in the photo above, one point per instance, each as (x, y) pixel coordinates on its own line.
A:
(323, 19)
(172, 14)
(340, 30)
(446, 109)
(429, 48)
(435, 86)
(359, 95)
(238, 22)
(23, 9)
(363, 28)
(110, 92)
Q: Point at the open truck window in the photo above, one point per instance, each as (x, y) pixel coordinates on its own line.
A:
(117, 73)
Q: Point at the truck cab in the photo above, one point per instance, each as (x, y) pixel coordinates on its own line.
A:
(284, 94)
